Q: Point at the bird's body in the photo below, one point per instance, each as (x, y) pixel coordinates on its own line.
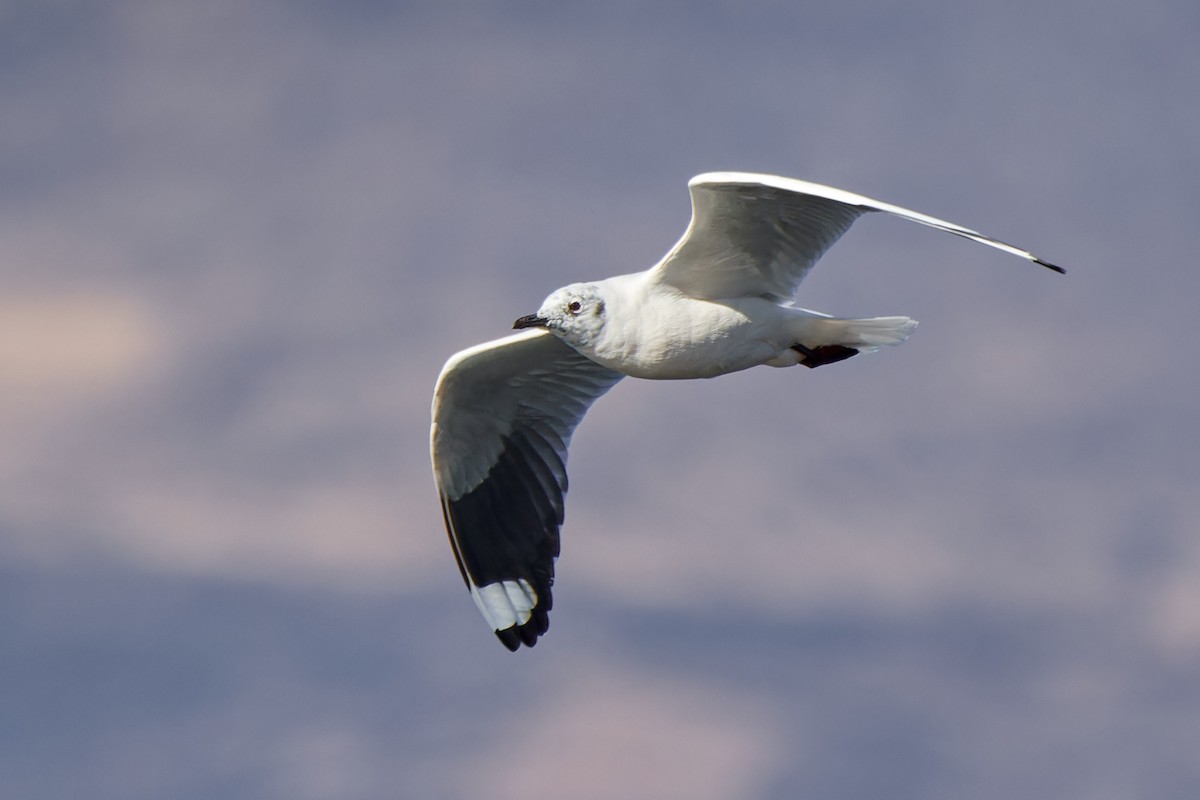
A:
(718, 302)
(701, 339)
(694, 338)
(647, 329)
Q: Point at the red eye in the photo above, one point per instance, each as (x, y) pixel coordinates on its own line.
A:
(574, 306)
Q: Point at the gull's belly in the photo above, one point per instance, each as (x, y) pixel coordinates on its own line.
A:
(694, 339)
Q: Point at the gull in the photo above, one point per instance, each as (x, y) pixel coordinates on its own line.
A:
(720, 301)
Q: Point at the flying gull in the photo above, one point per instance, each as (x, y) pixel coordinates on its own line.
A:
(718, 302)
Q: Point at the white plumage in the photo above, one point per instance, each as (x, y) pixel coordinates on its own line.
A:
(718, 302)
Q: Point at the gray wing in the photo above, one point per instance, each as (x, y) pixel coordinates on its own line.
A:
(503, 415)
(759, 235)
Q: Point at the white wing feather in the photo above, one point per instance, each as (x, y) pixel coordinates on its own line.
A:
(759, 235)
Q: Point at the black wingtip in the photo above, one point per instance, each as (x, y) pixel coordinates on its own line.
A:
(1048, 265)
(518, 635)
(526, 634)
(509, 638)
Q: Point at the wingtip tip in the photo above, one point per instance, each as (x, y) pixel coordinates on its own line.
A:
(1050, 266)
(512, 638)
(527, 633)
(508, 637)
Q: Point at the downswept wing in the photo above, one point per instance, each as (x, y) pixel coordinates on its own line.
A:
(503, 415)
(759, 235)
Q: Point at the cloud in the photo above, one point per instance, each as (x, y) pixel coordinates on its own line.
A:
(68, 349)
(355, 535)
(614, 731)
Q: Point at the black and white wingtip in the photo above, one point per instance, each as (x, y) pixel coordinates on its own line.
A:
(516, 611)
(1048, 265)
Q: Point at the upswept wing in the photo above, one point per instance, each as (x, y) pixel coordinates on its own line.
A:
(503, 415)
(759, 235)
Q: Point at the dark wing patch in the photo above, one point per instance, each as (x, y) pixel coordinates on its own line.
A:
(507, 527)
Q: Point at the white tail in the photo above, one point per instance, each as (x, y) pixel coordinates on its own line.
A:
(864, 335)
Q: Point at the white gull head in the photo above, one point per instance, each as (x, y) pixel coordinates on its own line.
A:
(575, 314)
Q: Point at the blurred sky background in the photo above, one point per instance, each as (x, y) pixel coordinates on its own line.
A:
(238, 240)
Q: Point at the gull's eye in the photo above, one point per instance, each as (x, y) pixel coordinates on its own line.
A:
(574, 306)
